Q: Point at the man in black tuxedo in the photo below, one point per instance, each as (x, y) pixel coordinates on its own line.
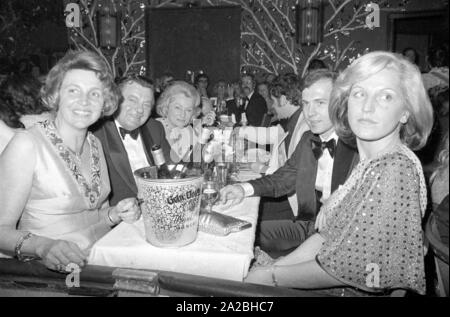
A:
(321, 162)
(253, 104)
(127, 138)
(235, 106)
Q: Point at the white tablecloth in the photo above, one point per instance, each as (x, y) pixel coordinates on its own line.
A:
(209, 255)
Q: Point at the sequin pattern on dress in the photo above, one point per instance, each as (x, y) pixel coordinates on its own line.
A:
(373, 234)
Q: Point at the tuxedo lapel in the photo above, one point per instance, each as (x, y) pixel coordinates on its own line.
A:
(299, 129)
(290, 127)
(343, 162)
(116, 150)
(250, 104)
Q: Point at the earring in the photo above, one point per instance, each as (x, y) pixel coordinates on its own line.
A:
(404, 119)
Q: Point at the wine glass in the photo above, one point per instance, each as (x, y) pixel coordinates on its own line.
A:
(210, 194)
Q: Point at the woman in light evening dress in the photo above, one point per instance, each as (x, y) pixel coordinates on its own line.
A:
(55, 184)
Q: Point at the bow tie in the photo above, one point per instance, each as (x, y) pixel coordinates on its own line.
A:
(133, 133)
(243, 101)
(318, 146)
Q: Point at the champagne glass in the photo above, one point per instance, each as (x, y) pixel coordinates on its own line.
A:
(210, 194)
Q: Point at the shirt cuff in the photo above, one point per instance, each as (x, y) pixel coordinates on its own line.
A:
(248, 189)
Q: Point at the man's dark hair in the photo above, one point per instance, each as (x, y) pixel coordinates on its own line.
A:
(316, 64)
(438, 57)
(316, 75)
(135, 78)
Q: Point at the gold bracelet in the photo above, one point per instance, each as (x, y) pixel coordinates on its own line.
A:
(274, 278)
(18, 248)
(109, 216)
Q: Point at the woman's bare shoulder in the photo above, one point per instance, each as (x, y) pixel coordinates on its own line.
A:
(22, 144)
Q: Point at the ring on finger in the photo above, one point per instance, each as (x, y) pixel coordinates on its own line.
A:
(61, 267)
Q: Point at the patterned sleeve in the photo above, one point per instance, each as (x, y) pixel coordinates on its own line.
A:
(374, 239)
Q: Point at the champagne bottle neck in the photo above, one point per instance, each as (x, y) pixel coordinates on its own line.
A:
(158, 157)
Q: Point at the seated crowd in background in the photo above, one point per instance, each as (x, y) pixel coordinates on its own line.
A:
(341, 162)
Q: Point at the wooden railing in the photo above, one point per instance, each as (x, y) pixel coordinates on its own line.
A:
(34, 279)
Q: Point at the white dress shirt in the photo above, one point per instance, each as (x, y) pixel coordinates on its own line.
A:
(325, 170)
(135, 150)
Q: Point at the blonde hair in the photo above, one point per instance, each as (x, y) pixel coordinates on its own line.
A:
(414, 133)
(84, 60)
(175, 88)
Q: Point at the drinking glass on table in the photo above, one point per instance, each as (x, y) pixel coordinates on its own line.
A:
(210, 194)
(221, 174)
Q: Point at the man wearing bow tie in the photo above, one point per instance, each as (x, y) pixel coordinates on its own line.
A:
(253, 104)
(321, 162)
(127, 138)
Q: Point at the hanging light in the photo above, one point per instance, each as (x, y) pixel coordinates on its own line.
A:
(308, 14)
(108, 27)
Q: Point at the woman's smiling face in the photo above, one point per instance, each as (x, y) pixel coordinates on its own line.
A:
(180, 110)
(81, 99)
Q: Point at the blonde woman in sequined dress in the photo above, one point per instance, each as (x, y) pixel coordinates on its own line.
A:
(369, 238)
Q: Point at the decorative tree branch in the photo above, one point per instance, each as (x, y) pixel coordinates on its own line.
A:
(267, 32)
(354, 23)
(128, 56)
(18, 22)
(310, 57)
(270, 24)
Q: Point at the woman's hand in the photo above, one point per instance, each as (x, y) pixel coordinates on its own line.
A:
(259, 167)
(321, 221)
(209, 118)
(260, 275)
(207, 105)
(126, 210)
(57, 254)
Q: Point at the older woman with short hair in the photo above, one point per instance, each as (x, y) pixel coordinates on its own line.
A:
(55, 184)
(369, 238)
(176, 106)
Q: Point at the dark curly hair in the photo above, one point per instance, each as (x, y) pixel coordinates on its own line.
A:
(288, 85)
(21, 94)
(9, 117)
(438, 57)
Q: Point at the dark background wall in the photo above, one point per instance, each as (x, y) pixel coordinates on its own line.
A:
(380, 38)
(41, 30)
(181, 39)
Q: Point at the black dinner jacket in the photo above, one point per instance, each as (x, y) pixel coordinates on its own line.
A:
(233, 108)
(299, 175)
(123, 184)
(256, 108)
